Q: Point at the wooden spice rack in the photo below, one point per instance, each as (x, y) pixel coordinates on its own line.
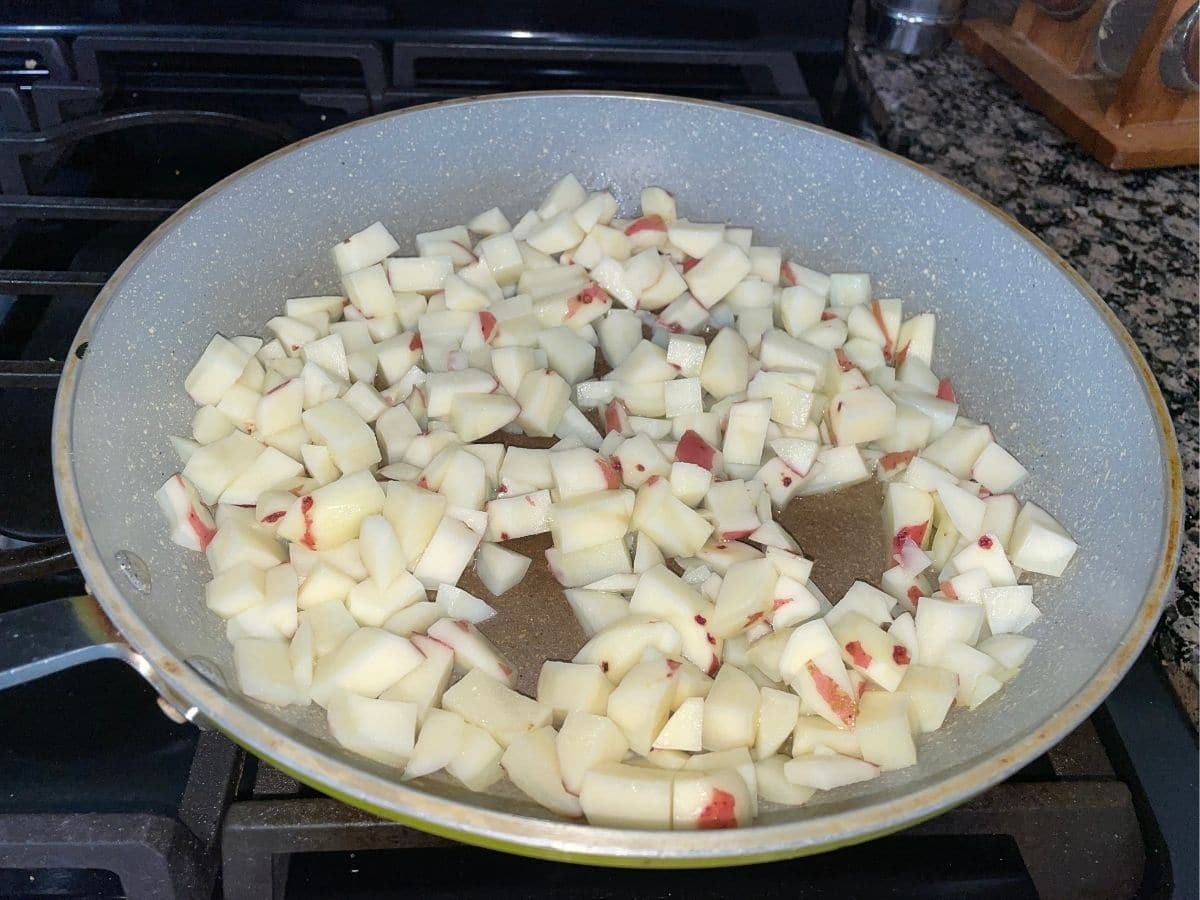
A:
(1134, 121)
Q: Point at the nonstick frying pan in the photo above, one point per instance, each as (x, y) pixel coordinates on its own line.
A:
(1031, 348)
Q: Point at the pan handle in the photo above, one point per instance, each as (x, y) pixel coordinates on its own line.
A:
(44, 638)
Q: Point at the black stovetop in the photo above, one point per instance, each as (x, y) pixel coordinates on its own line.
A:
(102, 105)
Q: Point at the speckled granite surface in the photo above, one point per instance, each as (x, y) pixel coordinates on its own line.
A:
(1133, 235)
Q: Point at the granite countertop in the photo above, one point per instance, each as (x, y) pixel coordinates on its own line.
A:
(1133, 235)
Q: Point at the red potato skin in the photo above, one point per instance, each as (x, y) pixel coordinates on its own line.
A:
(309, 539)
(902, 355)
(915, 533)
(858, 655)
(945, 391)
(890, 461)
(694, 449)
(914, 594)
(948, 590)
(842, 360)
(719, 812)
(615, 417)
(900, 655)
(204, 534)
(612, 418)
(737, 536)
(487, 324)
(888, 343)
(646, 223)
(612, 480)
(786, 274)
(590, 294)
(839, 701)
(689, 263)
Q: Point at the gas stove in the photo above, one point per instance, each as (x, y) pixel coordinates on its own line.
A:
(112, 114)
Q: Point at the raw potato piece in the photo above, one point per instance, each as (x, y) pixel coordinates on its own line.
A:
(472, 651)
(531, 763)
(448, 554)
(425, 684)
(773, 785)
(1039, 543)
(264, 671)
(684, 729)
(368, 662)
(883, 730)
(828, 771)
(438, 743)
(717, 273)
(383, 730)
(570, 687)
(500, 569)
(584, 742)
(641, 703)
(218, 368)
(616, 795)
(192, 526)
(477, 763)
(501, 711)
(731, 710)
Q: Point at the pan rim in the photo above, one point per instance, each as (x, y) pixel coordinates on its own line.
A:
(353, 784)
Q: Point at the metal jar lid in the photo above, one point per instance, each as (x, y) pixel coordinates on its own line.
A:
(913, 27)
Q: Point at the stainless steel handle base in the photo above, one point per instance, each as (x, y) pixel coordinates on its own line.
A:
(39, 640)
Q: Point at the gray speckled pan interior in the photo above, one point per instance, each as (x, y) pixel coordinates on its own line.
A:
(1026, 348)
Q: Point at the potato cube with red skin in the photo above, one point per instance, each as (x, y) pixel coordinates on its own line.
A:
(708, 800)
(746, 597)
(811, 664)
(192, 525)
(676, 528)
(733, 511)
(871, 651)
